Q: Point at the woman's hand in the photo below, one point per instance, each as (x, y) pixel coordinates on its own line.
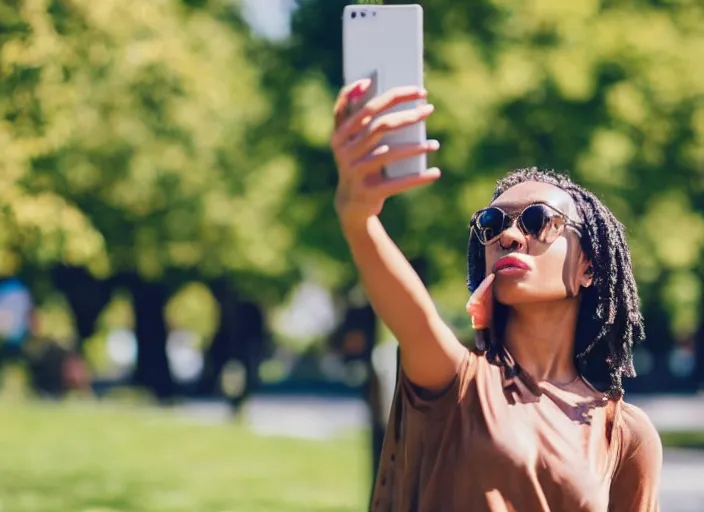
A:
(360, 156)
(479, 306)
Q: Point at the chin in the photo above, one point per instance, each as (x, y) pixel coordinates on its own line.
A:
(511, 296)
(518, 293)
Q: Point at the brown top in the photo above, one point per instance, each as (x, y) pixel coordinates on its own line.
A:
(497, 443)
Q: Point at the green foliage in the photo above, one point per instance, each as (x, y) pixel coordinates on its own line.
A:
(54, 321)
(611, 92)
(193, 308)
(129, 128)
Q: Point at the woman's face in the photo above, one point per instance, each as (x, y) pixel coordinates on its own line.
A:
(545, 272)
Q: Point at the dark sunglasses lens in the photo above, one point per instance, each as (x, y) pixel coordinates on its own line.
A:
(490, 224)
(534, 219)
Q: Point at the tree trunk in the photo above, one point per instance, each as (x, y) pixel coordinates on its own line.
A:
(249, 346)
(241, 337)
(699, 356)
(358, 340)
(152, 370)
(86, 295)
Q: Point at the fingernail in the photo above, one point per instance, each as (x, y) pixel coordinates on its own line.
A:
(355, 93)
(359, 89)
(433, 144)
(427, 109)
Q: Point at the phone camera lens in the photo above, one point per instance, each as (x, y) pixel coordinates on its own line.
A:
(364, 13)
(354, 14)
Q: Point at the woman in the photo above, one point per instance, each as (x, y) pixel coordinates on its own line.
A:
(533, 419)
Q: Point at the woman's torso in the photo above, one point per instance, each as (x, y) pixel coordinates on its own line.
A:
(494, 443)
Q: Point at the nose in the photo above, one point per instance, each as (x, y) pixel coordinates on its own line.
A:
(512, 238)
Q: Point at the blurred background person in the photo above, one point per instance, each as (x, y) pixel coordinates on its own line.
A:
(54, 370)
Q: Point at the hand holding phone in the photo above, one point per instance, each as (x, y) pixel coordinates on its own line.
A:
(360, 154)
(379, 143)
(385, 45)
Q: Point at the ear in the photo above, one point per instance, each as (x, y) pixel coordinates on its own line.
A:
(587, 274)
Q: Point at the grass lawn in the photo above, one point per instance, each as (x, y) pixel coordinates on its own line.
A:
(694, 440)
(87, 458)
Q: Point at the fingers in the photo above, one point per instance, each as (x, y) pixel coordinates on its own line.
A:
(351, 126)
(356, 142)
(480, 303)
(373, 133)
(483, 291)
(481, 320)
(385, 155)
(384, 188)
(346, 96)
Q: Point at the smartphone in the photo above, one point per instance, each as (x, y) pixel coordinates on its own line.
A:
(385, 43)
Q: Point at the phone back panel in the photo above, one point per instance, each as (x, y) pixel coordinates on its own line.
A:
(386, 44)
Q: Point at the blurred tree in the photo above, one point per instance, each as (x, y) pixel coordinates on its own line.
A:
(39, 225)
(86, 294)
(133, 149)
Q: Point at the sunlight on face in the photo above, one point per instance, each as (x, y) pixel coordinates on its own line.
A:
(556, 270)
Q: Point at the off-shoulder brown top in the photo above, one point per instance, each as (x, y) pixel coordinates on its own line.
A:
(498, 442)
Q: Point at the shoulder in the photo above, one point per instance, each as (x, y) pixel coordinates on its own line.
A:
(640, 444)
(637, 429)
(423, 400)
(636, 481)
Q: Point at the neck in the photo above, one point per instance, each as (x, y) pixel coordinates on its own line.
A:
(540, 338)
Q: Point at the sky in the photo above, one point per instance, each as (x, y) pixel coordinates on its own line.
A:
(269, 18)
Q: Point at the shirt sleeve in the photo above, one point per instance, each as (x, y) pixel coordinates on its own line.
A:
(414, 414)
(636, 483)
(424, 402)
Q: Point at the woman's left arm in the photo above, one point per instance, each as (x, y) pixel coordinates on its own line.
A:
(636, 483)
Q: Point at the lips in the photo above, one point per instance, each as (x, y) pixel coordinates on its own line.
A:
(510, 262)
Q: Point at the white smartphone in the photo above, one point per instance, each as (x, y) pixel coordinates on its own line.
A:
(385, 43)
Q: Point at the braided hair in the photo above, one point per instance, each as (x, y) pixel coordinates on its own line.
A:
(609, 321)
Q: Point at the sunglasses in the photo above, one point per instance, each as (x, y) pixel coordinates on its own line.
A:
(538, 220)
